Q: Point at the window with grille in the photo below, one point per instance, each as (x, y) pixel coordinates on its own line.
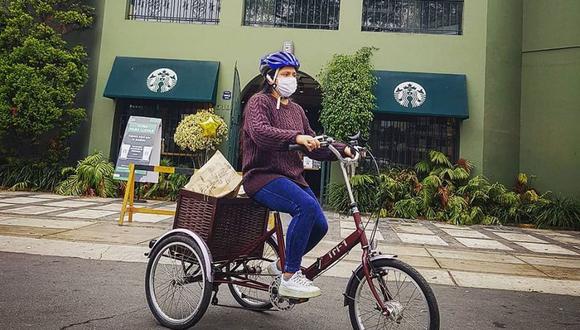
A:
(301, 14)
(175, 11)
(413, 16)
(404, 141)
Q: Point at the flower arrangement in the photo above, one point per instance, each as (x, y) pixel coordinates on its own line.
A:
(201, 131)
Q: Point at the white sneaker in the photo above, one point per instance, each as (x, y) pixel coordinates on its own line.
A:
(273, 269)
(298, 286)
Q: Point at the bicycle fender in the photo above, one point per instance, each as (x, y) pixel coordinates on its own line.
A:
(349, 295)
(204, 249)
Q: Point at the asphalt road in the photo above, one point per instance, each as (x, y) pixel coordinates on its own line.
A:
(42, 292)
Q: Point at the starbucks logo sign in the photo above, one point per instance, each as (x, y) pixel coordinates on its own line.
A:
(410, 94)
(162, 80)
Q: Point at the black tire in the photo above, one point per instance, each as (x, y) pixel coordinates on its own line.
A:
(236, 291)
(182, 254)
(382, 267)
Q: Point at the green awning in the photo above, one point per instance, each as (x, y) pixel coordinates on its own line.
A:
(163, 79)
(421, 94)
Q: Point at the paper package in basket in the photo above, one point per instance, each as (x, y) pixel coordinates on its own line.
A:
(217, 178)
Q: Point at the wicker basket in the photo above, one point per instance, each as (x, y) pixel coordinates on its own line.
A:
(228, 225)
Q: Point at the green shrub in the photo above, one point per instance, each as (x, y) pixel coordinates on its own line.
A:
(347, 83)
(40, 76)
(93, 176)
(20, 175)
(364, 188)
(437, 190)
(168, 185)
(561, 212)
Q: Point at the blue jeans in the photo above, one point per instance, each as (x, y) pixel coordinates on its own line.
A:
(308, 225)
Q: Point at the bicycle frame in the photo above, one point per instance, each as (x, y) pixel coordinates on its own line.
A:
(327, 260)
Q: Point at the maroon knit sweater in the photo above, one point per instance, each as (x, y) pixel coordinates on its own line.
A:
(266, 134)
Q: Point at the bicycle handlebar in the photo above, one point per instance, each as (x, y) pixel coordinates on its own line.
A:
(327, 142)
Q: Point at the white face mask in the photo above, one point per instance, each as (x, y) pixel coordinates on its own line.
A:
(287, 86)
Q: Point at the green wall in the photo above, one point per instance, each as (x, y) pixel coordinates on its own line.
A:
(502, 90)
(91, 40)
(229, 42)
(550, 112)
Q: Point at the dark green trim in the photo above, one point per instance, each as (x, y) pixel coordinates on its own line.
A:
(196, 80)
(446, 94)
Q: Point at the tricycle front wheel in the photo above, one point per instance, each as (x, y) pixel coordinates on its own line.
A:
(409, 299)
(177, 285)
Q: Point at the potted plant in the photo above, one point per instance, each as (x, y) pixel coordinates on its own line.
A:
(201, 133)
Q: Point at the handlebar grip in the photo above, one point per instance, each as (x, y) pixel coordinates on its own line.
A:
(296, 147)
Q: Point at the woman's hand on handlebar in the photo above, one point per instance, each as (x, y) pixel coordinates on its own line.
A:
(308, 141)
(348, 152)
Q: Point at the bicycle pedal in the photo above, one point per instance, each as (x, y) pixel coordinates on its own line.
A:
(297, 301)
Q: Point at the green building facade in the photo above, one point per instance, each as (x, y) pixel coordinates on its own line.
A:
(489, 48)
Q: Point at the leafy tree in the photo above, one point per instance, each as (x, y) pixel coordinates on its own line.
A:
(347, 85)
(40, 75)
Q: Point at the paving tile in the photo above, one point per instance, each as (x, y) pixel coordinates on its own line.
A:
(551, 261)
(547, 232)
(378, 235)
(87, 214)
(23, 200)
(14, 193)
(167, 207)
(49, 196)
(421, 239)
(143, 217)
(489, 267)
(98, 199)
(70, 203)
(45, 223)
(567, 239)
(347, 225)
(108, 207)
(476, 256)
(482, 243)
(402, 250)
(57, 247)
(112, 233)
(35, 209)
(27, 231)
(519, 237)
(449, 226)
(436, 276)
(517, 283)
(464, 233)
(412, 229)
(561, 272)
(346, 232)
(546, 248)
(425, 262)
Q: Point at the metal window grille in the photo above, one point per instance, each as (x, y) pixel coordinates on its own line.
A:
(404, 141)
(175, 11)
(171, 113)
(414, 16)
(300, 14)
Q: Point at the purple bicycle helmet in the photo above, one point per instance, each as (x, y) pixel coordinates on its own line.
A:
(278, 60)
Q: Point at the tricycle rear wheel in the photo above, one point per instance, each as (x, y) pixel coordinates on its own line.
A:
(243, 295)
(177, 285)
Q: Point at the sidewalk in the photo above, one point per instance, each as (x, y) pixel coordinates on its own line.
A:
(477, 256)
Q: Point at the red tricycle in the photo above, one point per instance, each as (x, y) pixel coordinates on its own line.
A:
(227, 241)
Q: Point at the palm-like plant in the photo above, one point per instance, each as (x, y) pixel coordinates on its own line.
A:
(167, 186)
(93, 176)
(556, 211)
